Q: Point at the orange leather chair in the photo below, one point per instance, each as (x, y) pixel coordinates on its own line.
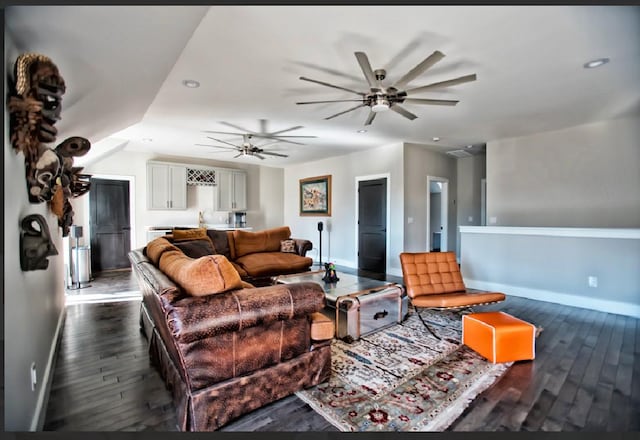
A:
(433, 280)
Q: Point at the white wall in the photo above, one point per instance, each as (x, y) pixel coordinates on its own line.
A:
(33, 300)
(420, 162)
(339, 236)
(584, 176)
(264, 194)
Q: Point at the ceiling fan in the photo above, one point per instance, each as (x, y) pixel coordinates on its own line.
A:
(263, 133)
(381, 98)
(247, 148)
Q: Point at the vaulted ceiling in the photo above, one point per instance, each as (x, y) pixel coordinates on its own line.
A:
(124, 67)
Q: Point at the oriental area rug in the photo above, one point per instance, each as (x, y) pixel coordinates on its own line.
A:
(402, 378)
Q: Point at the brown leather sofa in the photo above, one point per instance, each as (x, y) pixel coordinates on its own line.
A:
(257, 256)
(223, 347)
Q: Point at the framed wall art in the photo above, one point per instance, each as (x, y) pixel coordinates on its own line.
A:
(315, 196)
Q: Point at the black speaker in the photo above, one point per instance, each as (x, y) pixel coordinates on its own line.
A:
(320, 226)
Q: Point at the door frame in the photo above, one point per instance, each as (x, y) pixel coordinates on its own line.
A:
(388, 213)
(444, 212)
(132, 205)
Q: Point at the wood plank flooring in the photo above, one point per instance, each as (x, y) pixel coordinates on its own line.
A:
(586, 376)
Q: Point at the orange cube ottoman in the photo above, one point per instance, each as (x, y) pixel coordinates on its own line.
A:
(499, 337)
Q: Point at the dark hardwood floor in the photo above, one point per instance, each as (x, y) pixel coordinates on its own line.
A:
(586, 375)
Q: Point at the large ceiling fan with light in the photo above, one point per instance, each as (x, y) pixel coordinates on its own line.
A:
(381, 98)
(247, 148)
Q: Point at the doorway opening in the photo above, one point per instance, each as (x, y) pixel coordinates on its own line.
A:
(372, 218)
(437, 213)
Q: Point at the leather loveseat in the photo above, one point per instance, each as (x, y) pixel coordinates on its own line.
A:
(222, 346)
(257, 256)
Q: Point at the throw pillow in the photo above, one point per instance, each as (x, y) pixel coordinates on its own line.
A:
(189, 234)
(202, 276)
(288, 246)
(196, 248)
(156, 247)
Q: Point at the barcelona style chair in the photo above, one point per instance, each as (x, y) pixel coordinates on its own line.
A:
(433, 280)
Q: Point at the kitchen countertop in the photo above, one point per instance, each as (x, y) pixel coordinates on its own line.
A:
(219, 226)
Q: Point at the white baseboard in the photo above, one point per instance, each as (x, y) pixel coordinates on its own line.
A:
(601, 305)
(37, 422)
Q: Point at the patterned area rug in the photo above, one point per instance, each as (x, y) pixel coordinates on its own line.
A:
(402, 378)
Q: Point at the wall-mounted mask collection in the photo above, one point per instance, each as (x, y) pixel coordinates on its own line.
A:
(35, 102)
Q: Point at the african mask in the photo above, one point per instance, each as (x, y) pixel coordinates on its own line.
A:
(35, 243)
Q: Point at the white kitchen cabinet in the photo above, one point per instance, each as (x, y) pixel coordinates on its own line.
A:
(166, 186)
(232, 190)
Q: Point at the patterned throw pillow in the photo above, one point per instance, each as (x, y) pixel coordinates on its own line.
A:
(189, 234)
(288, 246)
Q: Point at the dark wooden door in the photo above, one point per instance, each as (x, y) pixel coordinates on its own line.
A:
(372, 225)
(109, 224)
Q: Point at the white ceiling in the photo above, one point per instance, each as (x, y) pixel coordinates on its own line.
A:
(124, 67)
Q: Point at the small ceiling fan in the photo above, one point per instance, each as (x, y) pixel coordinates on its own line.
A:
(247, 148)
(381, 98)
(263, 133)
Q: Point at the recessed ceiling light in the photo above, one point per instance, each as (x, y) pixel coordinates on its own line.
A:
(469, 146)
(435, 139)
(191, 83)
(147, 140)
(596, 63)
(362, 131)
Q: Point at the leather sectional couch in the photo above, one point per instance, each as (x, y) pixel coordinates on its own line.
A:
(222, 346)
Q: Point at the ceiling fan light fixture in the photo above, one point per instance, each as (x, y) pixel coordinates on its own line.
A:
(381, 105)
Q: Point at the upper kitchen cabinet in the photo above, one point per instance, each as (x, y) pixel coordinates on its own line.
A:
(232, 190)
(166, 186)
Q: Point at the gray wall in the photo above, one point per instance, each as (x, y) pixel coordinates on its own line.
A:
(420, 162)
(470, 171)
(264, 193)
(34, 300)
(556, 269)
(585, 176)
(435, 219)
(339, 236)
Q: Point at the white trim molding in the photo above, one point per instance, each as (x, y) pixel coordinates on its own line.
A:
(628, 233)
(601, 305)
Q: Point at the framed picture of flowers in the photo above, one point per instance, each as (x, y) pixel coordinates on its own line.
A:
(315, 196)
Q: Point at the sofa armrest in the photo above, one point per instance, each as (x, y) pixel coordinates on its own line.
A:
(303, 246)
(194, 318)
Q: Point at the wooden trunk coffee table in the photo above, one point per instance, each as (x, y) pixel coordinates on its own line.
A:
(357, 305)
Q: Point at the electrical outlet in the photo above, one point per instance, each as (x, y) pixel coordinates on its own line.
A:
(470, 218)
(493, 220)
(34, 376)
(409, 220)
(593, 281)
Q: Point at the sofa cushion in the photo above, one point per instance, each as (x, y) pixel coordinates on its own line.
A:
(273, 263)
(196, 248)
(220, 242)
(156, 247)
(248, 242)
(189, 234)
(202, 276)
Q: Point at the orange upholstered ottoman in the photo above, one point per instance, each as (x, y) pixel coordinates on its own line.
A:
(499, 337)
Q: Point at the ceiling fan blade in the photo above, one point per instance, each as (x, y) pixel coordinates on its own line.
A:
(217, 146)
(244, 130)
(430, 101)
(238, 155)
(263, 126)
(273, 154)
(326, 102)
(222, 132)
(419, 69)
(371, 117)
(257, 155)
(407, 114)
(288, 129)
(346, 111)
(363, 60)
(331, 85)
(223, 142)
(450, 82)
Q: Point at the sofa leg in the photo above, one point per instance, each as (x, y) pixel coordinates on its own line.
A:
(425, 324)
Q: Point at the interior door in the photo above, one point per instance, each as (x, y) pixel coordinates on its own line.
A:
(372, 225)
(109, 224)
